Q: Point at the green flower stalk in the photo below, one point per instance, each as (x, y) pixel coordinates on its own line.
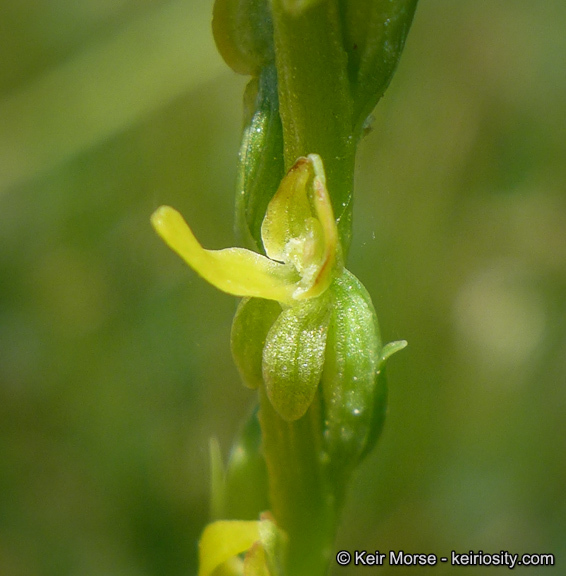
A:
(305, 333)
(306, 321)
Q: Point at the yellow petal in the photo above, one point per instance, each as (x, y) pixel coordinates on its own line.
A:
(325, 214)
(236, 271)
(299, 226)
(224, 539)
(287, 213)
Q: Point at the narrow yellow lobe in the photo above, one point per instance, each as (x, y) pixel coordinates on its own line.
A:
(236, 271)
(224, 539)
(299, 235)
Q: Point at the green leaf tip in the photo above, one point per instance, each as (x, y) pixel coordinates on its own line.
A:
(390, 349)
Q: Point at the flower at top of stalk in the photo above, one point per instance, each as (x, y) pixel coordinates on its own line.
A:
(299, 236)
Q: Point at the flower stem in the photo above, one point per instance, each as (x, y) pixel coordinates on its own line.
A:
(314, 98)
(301, 497)
(316, 111)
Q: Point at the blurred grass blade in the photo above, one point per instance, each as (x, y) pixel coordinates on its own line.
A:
(217, 475)
(246, 485)
(105, 89)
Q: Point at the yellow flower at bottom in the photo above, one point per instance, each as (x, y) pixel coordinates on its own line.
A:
(299, 235)
(224, 540)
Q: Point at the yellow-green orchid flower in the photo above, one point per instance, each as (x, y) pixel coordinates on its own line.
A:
(297, 299)
(223, 541)
(299, 236)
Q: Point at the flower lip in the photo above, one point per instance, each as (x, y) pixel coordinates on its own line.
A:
(299, 235)
(236, 271)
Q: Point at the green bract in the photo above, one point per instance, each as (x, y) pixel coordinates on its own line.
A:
(260, 162)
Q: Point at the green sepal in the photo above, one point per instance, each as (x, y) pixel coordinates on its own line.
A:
(252, 321)
(374, 36)
(246, 484)
(243, 32)
(293, 357)
(348, 381)
(260, 165)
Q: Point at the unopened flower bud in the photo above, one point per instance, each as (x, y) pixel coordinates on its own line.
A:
(293, 357)
(243, 32)
(353, 394)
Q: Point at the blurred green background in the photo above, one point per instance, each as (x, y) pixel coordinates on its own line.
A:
(115, 367)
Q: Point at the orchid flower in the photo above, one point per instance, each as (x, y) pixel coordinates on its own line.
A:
(284, 346)
(299, 236)
(261, 543)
